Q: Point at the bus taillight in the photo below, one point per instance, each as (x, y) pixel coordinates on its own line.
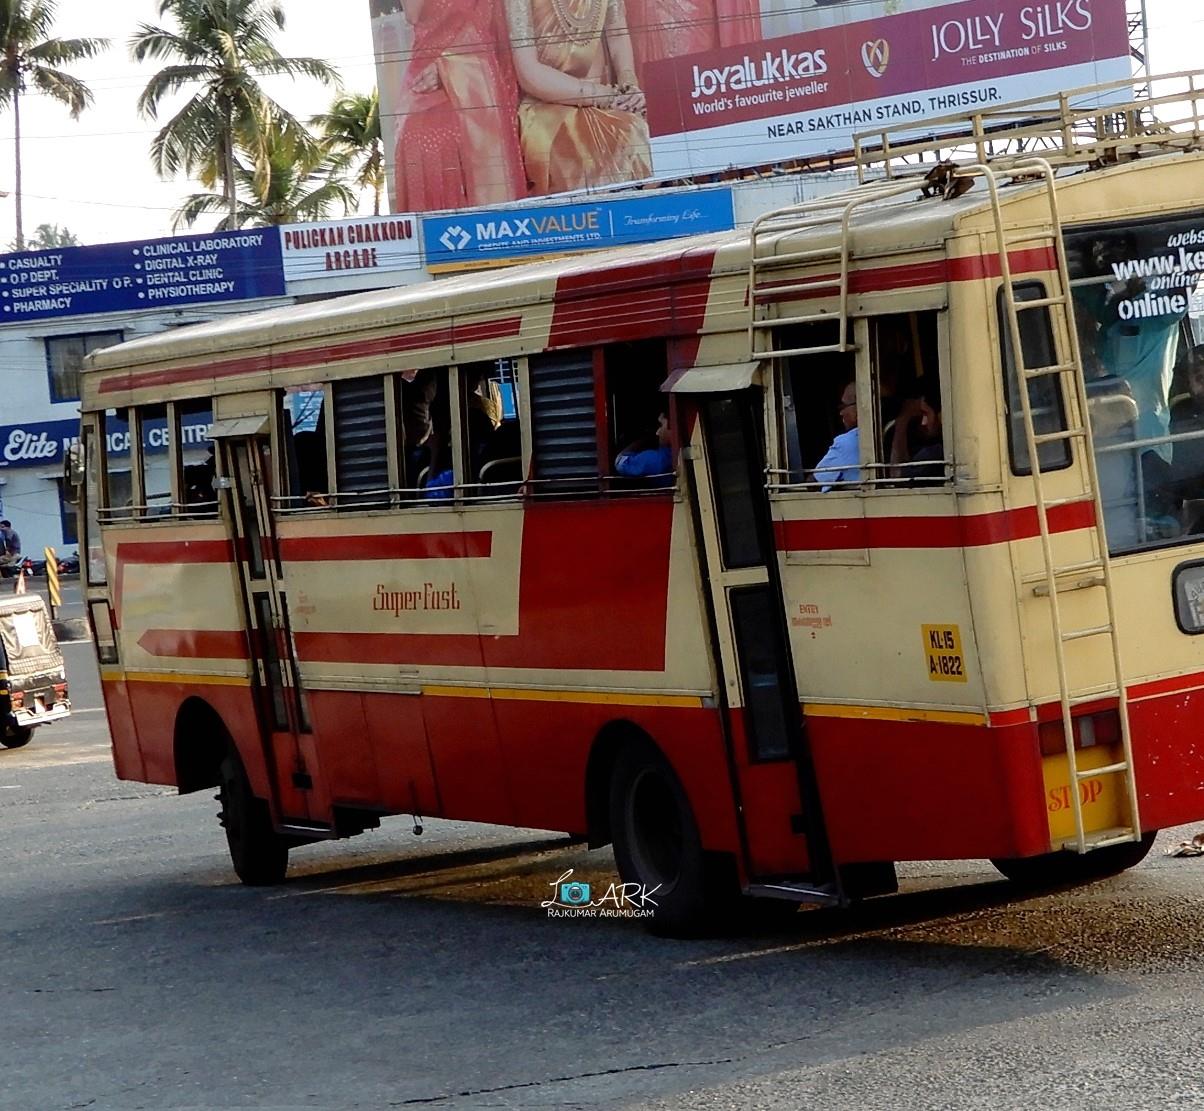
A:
(1102, 728)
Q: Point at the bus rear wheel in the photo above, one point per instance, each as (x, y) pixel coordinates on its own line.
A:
(1062, 868)
(657, 845)
(259, 854)
(16, 736)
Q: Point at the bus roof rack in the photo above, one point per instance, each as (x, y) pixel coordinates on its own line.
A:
(1093, 126)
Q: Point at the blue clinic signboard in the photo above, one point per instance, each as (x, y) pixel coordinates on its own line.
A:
(489, 237)
(44, 443)
(158, 273)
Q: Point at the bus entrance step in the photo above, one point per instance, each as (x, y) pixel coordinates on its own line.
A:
(312, 831)
(796, 892)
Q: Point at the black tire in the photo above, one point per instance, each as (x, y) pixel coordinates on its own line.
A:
(16, 736)
(1063, 868)
(656, 843)
(259, 854)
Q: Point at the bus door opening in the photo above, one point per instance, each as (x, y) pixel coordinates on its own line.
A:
(288, 748)
(784, 832)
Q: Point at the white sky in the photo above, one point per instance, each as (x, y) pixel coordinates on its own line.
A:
(95, 176)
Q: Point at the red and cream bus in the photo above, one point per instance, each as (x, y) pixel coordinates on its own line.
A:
(916, 570)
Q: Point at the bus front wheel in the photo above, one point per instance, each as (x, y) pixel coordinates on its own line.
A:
(1060, 868)
(657, 845)
(259, 854)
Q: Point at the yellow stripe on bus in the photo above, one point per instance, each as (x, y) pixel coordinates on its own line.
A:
(592, 698)
(893, 713)
(183, 677)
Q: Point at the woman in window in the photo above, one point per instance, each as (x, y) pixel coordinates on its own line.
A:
(581, 118)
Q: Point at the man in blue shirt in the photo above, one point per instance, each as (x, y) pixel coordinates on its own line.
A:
(641, 460)
(842, 463)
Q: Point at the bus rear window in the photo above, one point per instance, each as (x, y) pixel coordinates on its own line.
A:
(1044, 394)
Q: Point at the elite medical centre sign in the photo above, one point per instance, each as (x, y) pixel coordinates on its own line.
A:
(809, 94)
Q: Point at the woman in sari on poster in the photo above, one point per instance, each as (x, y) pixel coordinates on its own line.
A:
(581, 116)
(458, 142)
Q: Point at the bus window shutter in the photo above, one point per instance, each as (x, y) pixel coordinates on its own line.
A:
(564, 421)
(361, 461)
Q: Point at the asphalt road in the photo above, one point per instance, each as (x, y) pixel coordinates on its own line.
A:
(392, 970)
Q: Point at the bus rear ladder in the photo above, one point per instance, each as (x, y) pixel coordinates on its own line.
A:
(1093, 574)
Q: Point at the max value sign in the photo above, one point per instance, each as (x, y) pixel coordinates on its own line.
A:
(490, 237)
(117, 277)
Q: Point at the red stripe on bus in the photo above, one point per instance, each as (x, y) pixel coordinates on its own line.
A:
(976, 531)
(1177, 684)
(195, 644)
(882, 279)
(638, 300)
(443, 336)
(420, 545)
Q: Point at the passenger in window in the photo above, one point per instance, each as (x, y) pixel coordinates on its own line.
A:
(918, 448)
(841, 463)
(649, 457)
(198, 480)
(482, 416)
(422, 445)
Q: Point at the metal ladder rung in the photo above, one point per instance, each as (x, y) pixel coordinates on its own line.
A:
(1084, 634)
(790, 352)
(1049, 371)
(806, 318)
(1056, 437)
(1074, 499)
(1065, 569)
(1090, 699)
(793, 258)
(1040, 303)
(1042, 589)
(1107, 769)
(769, 293)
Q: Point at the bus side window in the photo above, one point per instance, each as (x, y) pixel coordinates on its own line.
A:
(361, 460)
(195, 453)
(638, 453)
(905, 425)
(424, 424)
(118, 503)
(812, 409)
(564, 422)
(1044, 393)
(153, 459)
(303, 421)
(489, 415)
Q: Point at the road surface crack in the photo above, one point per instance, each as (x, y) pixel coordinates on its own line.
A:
(656, 1066)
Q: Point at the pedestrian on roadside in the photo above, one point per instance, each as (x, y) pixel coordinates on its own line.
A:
(10, 545)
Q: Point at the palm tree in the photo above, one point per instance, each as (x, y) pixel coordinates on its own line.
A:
(33, 59)
(353, 125)
(301, 182)
(218, 51)
(48, 236)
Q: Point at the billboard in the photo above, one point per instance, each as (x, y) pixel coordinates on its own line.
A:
(489, 101)
(381, 244)
(469, 240)
(156, 273)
